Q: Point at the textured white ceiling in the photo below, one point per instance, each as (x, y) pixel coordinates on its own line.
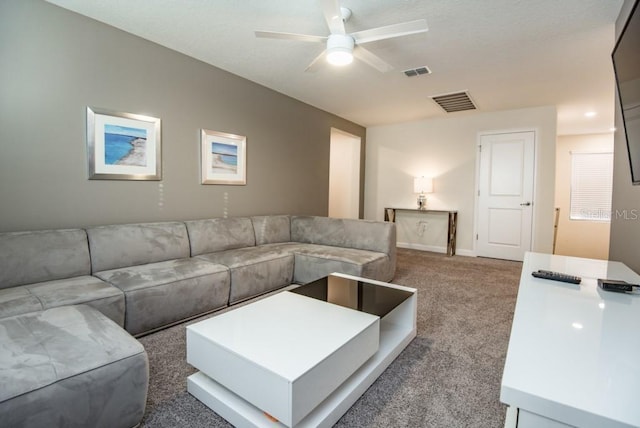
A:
(508, 54)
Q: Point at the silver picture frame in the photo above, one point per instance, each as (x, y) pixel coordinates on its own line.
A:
(123, 146)
(223, 158)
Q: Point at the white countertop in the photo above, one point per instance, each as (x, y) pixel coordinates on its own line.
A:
(574, 351)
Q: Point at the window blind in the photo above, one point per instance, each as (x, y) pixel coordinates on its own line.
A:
(591, 186)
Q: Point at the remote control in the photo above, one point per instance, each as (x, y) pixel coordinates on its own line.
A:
(557, 276)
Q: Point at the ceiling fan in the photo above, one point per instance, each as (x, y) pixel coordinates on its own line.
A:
(343, 46)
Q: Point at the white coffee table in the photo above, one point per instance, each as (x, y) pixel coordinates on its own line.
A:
(300, 360)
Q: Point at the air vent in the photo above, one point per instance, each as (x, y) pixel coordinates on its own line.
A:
(456, 101)
(417, 71)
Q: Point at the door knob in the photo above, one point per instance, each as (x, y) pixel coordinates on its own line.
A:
(525, 204)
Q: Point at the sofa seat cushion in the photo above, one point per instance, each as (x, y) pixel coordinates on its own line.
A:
(256, 270)
(139, 277)
(73, 291)
(158, 294)
(16, 301)
(314, 261)
(70, 366)
(83, 289)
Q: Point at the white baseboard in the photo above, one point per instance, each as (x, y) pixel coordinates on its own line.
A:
(422, 247)
(466, 253)
(435, 249)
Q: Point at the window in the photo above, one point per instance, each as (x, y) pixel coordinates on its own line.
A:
(591, 186)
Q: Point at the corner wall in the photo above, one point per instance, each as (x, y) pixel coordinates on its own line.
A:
(54, 63)
(446, 149)
(625, 206)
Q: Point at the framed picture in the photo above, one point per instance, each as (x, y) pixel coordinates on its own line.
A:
(123, 146)
(223, 158)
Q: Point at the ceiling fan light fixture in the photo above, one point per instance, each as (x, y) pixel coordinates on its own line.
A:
(339, 57)
(340, 49)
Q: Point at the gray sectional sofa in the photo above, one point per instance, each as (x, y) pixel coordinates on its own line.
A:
(143, 277)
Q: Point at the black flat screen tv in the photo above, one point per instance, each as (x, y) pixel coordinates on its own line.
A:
(626, 64)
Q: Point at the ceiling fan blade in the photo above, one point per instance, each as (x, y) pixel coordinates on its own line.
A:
(390, 31)
(333, 16)
(373, 60)
(290, 36)
(316, 63)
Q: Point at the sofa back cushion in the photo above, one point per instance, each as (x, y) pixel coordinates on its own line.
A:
(219, 234)
(272, 229)
(350, 233)
(45, 255)
(124, 245)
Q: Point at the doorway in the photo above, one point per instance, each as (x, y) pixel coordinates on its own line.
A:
(344, 175)
(504, 222)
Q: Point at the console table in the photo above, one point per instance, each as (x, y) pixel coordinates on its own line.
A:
(573, 352)
(390, 215)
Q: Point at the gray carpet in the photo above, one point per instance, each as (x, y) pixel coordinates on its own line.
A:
(449, 376)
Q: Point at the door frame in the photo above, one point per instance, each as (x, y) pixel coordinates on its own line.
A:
(476, 205)
(354, 142)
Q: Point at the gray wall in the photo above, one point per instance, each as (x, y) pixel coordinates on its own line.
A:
(55, 63)
(625, 222)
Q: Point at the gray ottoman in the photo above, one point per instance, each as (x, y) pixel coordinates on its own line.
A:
(70, 366)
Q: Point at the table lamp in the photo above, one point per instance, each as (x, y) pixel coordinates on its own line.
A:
(422, 185)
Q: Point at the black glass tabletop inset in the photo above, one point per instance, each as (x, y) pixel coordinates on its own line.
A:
(360, 295)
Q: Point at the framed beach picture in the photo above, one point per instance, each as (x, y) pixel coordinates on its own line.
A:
(223, 158)
(123, 146)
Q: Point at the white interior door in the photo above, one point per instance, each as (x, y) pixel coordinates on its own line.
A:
(344, 175)
(505, 195)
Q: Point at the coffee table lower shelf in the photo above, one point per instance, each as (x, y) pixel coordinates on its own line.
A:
(240, 413)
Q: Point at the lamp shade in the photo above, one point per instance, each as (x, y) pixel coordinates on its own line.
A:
(423, 184)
